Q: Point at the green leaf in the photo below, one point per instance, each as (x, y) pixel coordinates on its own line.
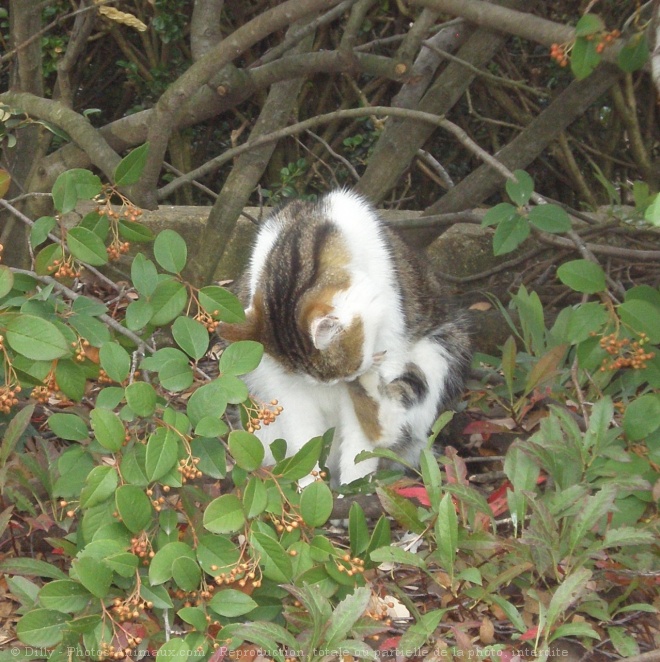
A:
(100, 485)
(91, 329)
(625, 645)
(129, 169)
(210, 426)
(642, 416)
(510, 233)
(246, 449)
(108, 428)
(520, 191)
(175, 648)
(41, 628)
(44, 262)
(168, 300)
(276, 562)
(567, 593)
(216, 554)
(652, 213)
(162, 453)
(86, 246)
(194, 616)
(93, 574)
(587, 318)
(584, 58)
(221, 304)
(589, 24)
(255, 497)
(170, 251)
(64, 595)
(139, 314)
(68, 426)
(207, 400)
(144, 275)
(358, 531)
(71, 379)
(446, 528)
(302, 463)
(582, 276)
(212, 457)
(136, 232)
(191, 336)
(225, 515)
(35, 338)
(160, 568)
(74, 185)
(186, 573)
(176, 376)
(397, 555)
(31, 568)
(134, 507)
(14, 431)
(141, 398)
(500, 212)
(549, 218)
(642, 316)
(231, 603)
(346, 614)
(41, 229)
(241, 357)
(316, 503)
(6, 280)
(403, 510)
(634, 54)
(115, 360)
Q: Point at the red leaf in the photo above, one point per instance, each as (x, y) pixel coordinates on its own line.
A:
(530, 634)
(417, 492)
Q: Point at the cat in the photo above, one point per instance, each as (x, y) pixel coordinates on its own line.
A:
(356, 334)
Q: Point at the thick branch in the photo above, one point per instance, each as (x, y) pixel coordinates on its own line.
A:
(77, 126)
(244, 176)
(167, 109)
(522, 150)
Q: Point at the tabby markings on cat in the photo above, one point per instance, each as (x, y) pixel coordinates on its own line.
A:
(357, 333)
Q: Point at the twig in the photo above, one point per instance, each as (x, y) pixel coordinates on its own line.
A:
(339, 157)
(70, 294)
(28, 221)
(484, 74)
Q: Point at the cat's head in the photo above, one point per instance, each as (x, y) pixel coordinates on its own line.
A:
(317, 343)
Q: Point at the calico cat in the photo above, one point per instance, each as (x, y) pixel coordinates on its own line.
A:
(356, 334)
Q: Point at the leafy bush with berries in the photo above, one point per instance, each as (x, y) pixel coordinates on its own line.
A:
(174, 539)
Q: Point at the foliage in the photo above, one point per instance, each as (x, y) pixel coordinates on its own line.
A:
(167, 514)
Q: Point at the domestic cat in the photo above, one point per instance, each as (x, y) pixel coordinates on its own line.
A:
(356, 333)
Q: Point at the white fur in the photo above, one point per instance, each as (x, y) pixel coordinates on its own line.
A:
(310, 408)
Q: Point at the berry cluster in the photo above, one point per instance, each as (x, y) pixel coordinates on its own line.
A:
(241, 574)
(111, 652)
(66, 268)
(79, 349)
(194, 597)
(559, 53)
(188, 469)
(605, 39)
(8, 397)
(625, 353)
(117, 249)
(69, 513)
(208, 320)
(126, 610)
(141, 546)
(262, 414)
(158, 502)
(288, 522)
(50, 389)
(351, 566)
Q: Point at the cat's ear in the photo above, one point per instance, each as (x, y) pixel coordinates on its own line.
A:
(324, 330)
